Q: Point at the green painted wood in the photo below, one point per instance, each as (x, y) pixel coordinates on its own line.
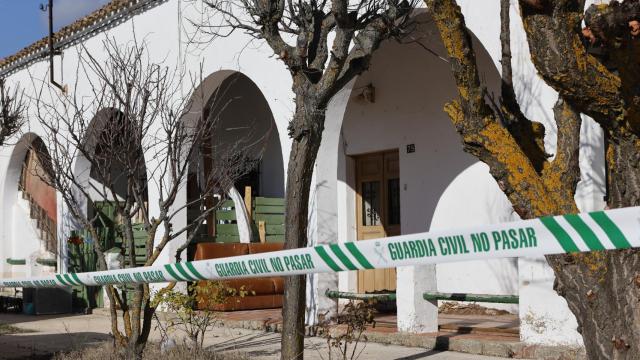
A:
(275, 229)
(269, 219)
(269, 201)
(140, 251)
(16, 261)
(501, 299)
(227, 238)
(269, 209)
(83, 258)
(203, 238)
(227, 229)
(47, 262)
(227, 203)
(334, 294)
(225, 215)
(274, 238)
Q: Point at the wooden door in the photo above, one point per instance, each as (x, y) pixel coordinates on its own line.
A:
(377, 211)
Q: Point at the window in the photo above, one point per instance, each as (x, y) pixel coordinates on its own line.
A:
(393, 201)
(371, 203)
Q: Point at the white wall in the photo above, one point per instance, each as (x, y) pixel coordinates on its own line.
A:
(18, 235)
(412, 86)
(474, 198)
(411, 90)
(166, 45)
(440, 185)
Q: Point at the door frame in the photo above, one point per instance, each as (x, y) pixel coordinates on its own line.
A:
(396, 230)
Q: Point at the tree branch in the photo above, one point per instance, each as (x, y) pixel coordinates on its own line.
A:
(481, 130)
(562, 60)
(561, 175)
(12, 109)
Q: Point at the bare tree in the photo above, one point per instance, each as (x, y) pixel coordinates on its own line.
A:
(142, 136)
(595, 70)
(324, 45)
(12, 110)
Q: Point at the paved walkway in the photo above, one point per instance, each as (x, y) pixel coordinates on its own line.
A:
(57, 333)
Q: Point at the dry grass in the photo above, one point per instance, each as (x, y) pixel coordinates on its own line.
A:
(106, 351)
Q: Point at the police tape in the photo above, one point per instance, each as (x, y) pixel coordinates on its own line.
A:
(601, 230)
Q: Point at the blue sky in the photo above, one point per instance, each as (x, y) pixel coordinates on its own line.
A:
(22, 22)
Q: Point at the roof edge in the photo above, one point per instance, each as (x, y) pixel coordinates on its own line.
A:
(108, 16)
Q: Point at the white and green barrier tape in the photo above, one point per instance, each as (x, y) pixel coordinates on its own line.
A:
(602, 230)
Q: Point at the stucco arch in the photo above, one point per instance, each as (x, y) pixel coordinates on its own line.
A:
(22, 238)
(91, 142)
(411, 87)
(243, 120)
(243, 117)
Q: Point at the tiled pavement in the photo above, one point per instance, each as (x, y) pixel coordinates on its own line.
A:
(50, 334)
(475, 334)
(495, 336)
(503, 326)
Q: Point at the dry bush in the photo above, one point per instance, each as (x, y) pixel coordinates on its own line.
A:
(107, 351)
(184, 315)
(344, 333)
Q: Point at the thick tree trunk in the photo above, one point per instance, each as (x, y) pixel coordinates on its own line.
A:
(306, 131)
(603, 288)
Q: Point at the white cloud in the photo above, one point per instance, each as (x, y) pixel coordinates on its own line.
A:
(66, 12)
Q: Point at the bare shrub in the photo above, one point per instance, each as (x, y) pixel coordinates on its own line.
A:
(344, 333)
(184, 315)
(131, 135)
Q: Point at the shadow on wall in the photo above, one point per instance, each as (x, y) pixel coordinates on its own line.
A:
(472, 199)
(243, 121)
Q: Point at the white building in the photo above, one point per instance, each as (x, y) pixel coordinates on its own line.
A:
(398, 147)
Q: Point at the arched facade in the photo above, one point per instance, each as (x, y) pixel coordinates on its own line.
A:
(30, 211)
(243, 127)
(394, 152)
(439, 186)
(102, 133)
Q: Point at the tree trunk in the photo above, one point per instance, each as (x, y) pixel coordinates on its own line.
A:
(306, 131)
(603, 288)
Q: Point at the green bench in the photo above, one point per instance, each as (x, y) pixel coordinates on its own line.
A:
(267, 210)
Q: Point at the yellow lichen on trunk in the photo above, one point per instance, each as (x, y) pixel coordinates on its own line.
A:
(520, 173)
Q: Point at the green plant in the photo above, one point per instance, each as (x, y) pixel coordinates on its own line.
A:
(191, 311)
(345, 332)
